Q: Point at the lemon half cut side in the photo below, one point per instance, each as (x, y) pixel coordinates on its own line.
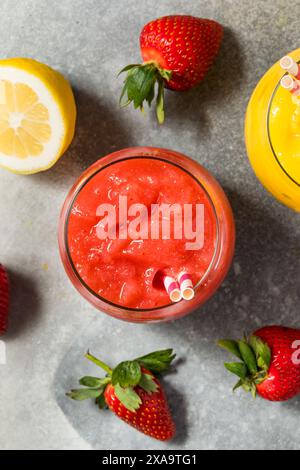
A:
(37, 115)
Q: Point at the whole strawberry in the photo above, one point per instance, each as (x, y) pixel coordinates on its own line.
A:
(177, 51)
(4, 300)
(270, 362)
(133, 393)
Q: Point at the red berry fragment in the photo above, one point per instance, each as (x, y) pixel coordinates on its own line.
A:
(4, 300)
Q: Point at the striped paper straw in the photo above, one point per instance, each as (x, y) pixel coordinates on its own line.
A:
(290, 84)
(288, 64)
(186, 286)
(172, 288)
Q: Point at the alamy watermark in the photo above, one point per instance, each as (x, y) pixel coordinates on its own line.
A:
(296, 354)
(139, 222)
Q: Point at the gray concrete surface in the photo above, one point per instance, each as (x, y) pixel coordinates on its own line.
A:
(51, 326)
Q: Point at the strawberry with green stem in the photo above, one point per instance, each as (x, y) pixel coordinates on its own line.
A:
(133, 392)
(177, 50)
(268, 362)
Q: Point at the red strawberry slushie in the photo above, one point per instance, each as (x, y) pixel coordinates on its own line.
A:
(137, 216)
(126, 271)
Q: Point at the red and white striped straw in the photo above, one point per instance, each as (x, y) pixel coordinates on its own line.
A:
(172, 288)
(186, 286)
(293, 86)
(290, 66)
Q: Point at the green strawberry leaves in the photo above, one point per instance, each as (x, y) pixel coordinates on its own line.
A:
(125, 378)
(91, 382)
(262, 352)
(128, 397)
(231, 346)
(95, 388)
(237, 368)
(140, 84)
(84, 393)
(256, 359)
(248, 356)
(127, 374)
(158, 361)
(148, 384)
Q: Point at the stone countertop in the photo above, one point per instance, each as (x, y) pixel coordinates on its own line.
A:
(51, 325)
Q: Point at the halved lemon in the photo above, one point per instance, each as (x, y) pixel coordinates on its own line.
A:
(37, 115)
